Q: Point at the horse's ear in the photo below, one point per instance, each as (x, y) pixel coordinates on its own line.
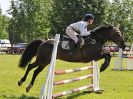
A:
(118, 26)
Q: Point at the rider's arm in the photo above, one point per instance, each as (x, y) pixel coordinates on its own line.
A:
(83, 31)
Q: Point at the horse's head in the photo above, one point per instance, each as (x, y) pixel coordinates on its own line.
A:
(116, 36)
(109, 33)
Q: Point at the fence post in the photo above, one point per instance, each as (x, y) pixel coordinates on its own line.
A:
(46, 91)
(96, 77)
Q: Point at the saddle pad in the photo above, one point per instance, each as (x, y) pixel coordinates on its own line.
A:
(65, 45)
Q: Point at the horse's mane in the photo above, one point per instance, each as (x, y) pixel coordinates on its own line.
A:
(100, 28)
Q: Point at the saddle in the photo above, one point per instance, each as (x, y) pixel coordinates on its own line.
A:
(66, 42)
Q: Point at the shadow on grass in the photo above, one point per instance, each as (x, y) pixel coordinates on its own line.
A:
(21, 97)
(72, 96)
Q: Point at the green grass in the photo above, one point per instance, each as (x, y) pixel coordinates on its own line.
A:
(116, 84)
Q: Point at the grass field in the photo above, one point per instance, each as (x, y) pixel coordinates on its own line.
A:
(116, 84)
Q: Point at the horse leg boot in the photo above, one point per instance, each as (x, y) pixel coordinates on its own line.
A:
(106, 62)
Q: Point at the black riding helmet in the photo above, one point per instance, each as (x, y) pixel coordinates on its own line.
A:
(88, 16)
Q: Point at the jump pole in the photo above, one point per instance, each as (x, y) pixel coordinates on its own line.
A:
(46, 90)
(118, 62)
(94, 84)
(130, 60)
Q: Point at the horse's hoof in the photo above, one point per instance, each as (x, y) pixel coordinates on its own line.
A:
(28, 88)
(20, 83)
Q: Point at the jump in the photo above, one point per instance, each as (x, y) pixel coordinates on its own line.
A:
(43, 50)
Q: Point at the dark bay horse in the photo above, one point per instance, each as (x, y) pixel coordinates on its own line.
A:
(43, 50)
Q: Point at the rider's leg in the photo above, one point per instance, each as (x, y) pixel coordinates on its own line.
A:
(72, 34)
(72, 45)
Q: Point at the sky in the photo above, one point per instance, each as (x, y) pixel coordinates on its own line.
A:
(4, 4)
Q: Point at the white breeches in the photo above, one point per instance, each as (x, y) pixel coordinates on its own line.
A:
(72, 34)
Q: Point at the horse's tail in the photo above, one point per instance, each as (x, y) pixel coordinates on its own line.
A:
(29, 53)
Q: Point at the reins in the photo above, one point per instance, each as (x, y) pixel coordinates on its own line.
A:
(89, 37)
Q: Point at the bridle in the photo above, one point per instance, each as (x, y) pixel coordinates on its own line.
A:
(94, 41)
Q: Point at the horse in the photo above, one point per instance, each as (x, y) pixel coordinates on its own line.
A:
(42, 49)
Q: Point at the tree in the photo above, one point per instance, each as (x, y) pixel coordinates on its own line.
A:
(28, 20)
(121, 12)
(3, 26)
(65, 12)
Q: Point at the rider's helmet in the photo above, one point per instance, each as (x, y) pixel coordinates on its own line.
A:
(88, 16)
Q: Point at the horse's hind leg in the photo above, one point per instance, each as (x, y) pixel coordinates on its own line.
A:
(36, 72)
(30, 67)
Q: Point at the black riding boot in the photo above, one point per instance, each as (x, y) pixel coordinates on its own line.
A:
(72, 46)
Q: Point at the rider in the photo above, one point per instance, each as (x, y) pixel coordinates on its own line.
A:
(79, 28)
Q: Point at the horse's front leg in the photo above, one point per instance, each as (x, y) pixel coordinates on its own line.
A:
(106, 63)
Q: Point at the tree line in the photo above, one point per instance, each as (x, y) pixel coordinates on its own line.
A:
(40, 19)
